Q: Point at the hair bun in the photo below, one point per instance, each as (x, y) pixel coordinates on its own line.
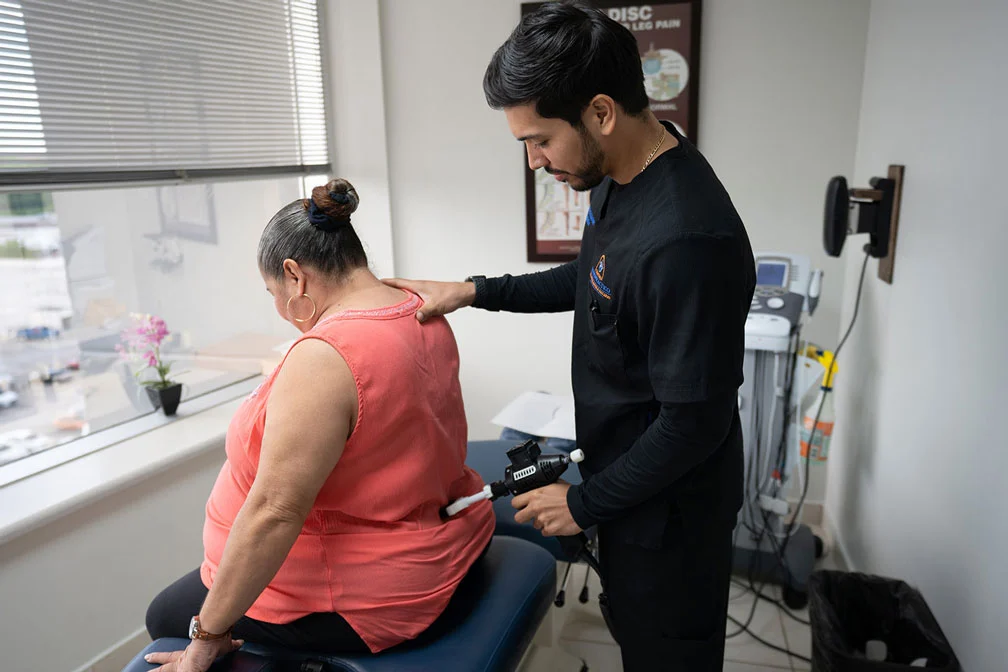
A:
(337, 200)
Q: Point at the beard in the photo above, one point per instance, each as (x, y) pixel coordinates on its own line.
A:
(591, 172)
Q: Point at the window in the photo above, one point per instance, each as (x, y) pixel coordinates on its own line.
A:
(74, 269)
(104, 91)
(143, 147)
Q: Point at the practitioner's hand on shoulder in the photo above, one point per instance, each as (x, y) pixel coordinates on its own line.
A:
(439, 298)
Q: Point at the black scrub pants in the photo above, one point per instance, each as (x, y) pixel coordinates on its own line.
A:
(669, 605)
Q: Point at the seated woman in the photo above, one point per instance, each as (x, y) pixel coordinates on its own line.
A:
(323, 530)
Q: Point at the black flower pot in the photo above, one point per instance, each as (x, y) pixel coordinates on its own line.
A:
(170, 398)
(166, 398)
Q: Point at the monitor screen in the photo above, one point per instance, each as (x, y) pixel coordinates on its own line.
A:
(771, 273)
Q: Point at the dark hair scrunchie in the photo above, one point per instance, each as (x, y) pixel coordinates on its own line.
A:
(320, 220)
(331, 205)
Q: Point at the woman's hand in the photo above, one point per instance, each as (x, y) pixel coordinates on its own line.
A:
(439, 298)
(197, 657)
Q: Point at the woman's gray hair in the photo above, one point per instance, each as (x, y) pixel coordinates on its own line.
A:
(315, 232)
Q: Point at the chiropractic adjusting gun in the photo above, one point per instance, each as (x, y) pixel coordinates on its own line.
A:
(529, 469)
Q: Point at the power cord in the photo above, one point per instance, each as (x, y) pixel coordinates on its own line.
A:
(836, 355)
(758, 594)
(745, 627)
(752, 505)
(771, 645)
(772, 600)
(780, 551)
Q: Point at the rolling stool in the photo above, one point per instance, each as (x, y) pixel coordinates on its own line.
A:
(489, 459)
(487, 627)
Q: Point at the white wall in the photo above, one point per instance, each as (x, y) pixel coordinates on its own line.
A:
(779, 90)
(72, 589)
(357, 116)
(458, 203)
(916, 480)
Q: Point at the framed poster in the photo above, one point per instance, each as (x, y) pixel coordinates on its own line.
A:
(668, 37)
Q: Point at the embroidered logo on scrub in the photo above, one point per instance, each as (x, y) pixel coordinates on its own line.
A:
(597, 275)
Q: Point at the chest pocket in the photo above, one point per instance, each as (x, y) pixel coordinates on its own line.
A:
(605, 350)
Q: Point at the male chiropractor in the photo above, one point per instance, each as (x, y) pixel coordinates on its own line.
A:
(660, 293)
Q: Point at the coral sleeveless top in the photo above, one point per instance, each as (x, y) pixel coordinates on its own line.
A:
(374, 548)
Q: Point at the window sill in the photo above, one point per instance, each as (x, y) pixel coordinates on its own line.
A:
(140, 449)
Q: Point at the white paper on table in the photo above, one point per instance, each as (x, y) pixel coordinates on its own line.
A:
(539, 414)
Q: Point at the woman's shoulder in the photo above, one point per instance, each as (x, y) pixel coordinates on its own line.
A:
(313, 368)
(313, 361)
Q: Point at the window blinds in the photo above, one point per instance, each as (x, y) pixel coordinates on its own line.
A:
(109, 91)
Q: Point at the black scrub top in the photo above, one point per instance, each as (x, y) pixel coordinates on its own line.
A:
(660, 292)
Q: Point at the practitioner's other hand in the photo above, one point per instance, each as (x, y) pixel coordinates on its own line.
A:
(547, 508)
(439, 298)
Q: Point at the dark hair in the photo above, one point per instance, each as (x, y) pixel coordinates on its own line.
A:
(560, 57)
(316, 232)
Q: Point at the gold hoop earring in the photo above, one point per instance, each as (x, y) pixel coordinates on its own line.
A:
(297, 319)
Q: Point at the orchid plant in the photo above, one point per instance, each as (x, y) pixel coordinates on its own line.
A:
(141, 343)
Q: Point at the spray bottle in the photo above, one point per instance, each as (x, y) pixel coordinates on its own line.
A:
(819, 418)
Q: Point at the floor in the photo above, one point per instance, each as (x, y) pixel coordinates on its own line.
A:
(578, 633)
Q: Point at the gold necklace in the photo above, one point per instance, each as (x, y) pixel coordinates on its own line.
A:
(655, 150)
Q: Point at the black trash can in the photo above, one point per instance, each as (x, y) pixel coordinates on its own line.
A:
(847, 609)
